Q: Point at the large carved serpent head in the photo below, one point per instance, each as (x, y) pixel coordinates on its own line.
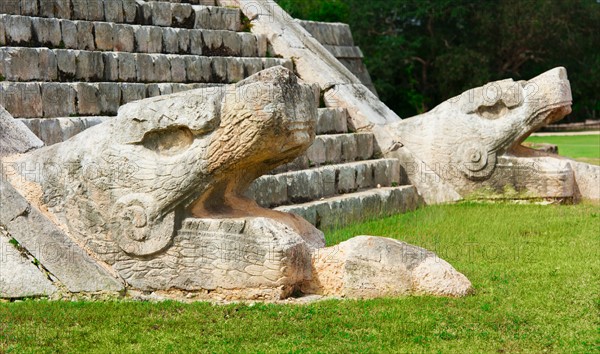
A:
(131, 180)
(463, 138)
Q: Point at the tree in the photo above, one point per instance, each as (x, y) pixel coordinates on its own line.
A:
(420, 53)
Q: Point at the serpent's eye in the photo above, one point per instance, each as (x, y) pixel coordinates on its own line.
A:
(497, 110)
(169, 141)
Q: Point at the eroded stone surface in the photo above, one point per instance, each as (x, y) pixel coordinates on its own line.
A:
(471, 144)
(15, 138)
(368, 267)
(19, 278)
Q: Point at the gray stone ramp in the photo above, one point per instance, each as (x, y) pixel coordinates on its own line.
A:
(19, 278)
(68, 262)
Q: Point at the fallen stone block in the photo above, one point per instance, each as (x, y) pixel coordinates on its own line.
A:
(368, 267)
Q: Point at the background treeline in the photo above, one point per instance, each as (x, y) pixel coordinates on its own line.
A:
(422, 52)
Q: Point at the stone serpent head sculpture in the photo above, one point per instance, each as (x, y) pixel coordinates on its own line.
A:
(472, 142)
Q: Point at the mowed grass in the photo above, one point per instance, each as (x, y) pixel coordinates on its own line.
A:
(584, 148)
(535, 269)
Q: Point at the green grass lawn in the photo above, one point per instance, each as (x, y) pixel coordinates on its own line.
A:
(535, 269)
(585, 148)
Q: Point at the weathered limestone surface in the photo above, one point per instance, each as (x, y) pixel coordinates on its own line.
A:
(19, 278)
(47, 242)
(314, 63)
(471, 144)
(15, 138)
(368, 267)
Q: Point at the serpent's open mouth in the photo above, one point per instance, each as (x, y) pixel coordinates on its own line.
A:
(547, 116)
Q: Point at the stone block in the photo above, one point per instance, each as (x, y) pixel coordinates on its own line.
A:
(127, 67)
(349, 148)
(183, 16)
(132, 92)
(346, 179)
(212, 42)
(148, 39)
(129, 11)
(218, 70)
(262, 45)
(332, 120)
(113, 11)
(235, 69)
(364, 176)
(231, 44)
(252, 66)
(145, 68)
(90, 10)
(111, 66)
(165, 89)
(85, 35)
(249, 45)
(52, 248)
(18, 30)
(329, 181)
(47, 64)
(21, 99)
(69, 34)
(104, 34)
(183, 37)
(90, 66)
(178, 65)
(19, 278)
(364, 145)
(316, 152)
(12, 7)
(333, 149)
(162, 68)
(152, 90)
(67, 64)
(110, 98)
(88, 99)
(2, 30)
(170, 40)
(144, 14)
(20, 64)
(269, 191)
(46, 32)
(28, 8)
(198, 69)
(58, 100)
(161, 13)
(124, 39)
(196, 42)
(303, 186)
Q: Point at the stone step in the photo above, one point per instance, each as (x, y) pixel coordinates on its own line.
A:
(49, 99)
(342, 210)
(332, 121)
(23, 31)
(43, 64)
(333, 149)
(163, 14)
(56, 130)
(316, 183)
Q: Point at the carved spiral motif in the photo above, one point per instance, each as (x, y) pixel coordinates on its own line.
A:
(137, 226)
(476, 162)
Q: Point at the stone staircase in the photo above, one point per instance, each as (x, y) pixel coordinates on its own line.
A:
(66, 65)
(340, 179)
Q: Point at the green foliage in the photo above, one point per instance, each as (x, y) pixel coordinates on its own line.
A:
(534, 269)
(420, 53)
